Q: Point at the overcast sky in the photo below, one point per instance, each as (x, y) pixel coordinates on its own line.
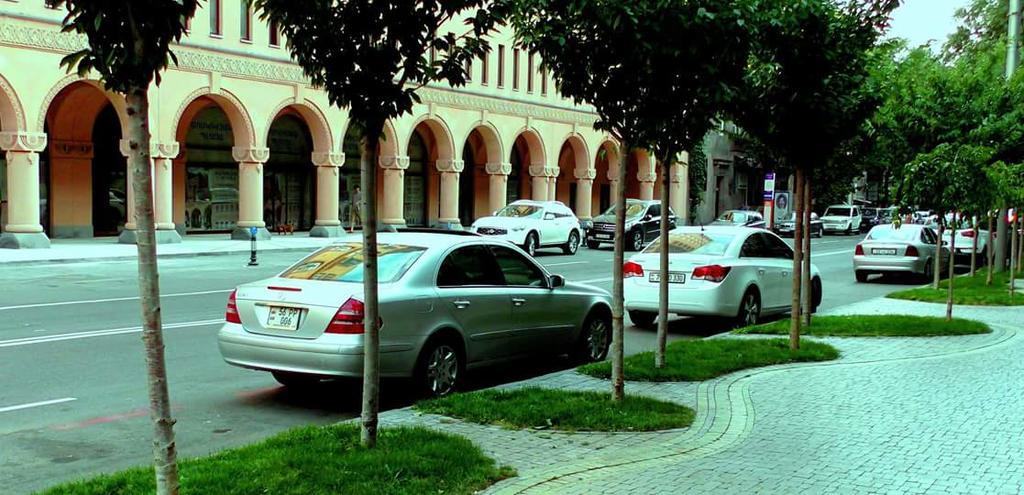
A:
(922, 20)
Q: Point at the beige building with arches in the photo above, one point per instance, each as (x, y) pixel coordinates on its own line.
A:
(242, 140)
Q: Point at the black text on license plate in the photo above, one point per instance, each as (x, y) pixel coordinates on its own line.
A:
(673, 277)
(283, 318)
(603, 236)
(883, 251)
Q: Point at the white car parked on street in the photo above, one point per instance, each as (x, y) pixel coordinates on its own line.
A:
(737, 272)
(841, 219)
(533, 225)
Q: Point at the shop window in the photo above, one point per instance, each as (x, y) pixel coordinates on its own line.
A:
(211, 174)
(415, 207)
(288, 177)
(349, 178)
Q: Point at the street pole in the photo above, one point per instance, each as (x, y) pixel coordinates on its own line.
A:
(1012, 60)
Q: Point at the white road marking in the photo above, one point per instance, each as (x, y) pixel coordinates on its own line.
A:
(99, 333)
(113, 299)
(36, 404)
(568, 263)
(830, 253)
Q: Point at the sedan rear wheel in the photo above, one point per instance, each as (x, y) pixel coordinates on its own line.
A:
(440, 369)
(636, 240)
(750, 309)
(594, 339)
(929, 270)
(862, 276)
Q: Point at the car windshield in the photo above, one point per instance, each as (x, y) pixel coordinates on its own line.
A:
(704, 243)
(868, 213)
(520, 211)
(733, 217)
(632, 210)
(838, 212)
(344, 263)
(891, 233)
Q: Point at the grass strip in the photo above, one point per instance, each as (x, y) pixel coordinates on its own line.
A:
(875, 326)
(563, 410)
(321, 461)
(696, 360)
(968, 291)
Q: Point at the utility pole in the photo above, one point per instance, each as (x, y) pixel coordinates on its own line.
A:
(1012, 60)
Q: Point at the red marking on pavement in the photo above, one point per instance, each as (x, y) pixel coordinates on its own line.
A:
(252, 394)
(137, 413)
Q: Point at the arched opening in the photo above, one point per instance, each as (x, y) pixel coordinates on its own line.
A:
(83, 175)
(527, 150)
(467, 183)
(474, 185)
(350, 176)
(639, 163)
(436, 146)
(289, 177)
(571, 158)
(604, 164)
(414, 208)
(519, 177)
(208, 171)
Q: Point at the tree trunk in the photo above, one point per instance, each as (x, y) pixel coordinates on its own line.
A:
(666, 185)
(1020, 242)
(974, 245)
(952, 272)
(164, 448)
(1013, 250)
(937, 262)
(371, 338)
(794, 314)
(989, 246)
(618, 329)
(806, 293)
(1002, 236)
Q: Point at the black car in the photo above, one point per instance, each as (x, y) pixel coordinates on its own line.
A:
(643, 221)
(788, 227)
(740, 218)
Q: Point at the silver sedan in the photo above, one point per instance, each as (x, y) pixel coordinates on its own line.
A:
(908, 249)
(448, 302)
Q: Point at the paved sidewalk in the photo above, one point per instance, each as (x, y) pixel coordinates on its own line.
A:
(898, 415)
(73, 250)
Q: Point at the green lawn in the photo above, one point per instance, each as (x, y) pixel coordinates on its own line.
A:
(560, 410)
(967, 290)
(695, 360)
(322, 461)
(875, 326)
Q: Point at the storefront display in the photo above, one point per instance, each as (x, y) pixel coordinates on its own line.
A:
(415, 208)
(211, 174)
(288, 177)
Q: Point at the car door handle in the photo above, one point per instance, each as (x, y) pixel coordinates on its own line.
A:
(461, 303)
(518, 301)
(785, 273)
(760, 272)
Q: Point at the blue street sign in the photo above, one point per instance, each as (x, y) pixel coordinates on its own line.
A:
(769, 176)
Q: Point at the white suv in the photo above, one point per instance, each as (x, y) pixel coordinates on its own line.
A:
(534, 224)
(841, 219)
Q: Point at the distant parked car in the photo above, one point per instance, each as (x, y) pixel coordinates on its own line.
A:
(841, 219)
(643, 224)
(907, 249)
(740, 218)
(788, 227)
(533, 225)
(448, 302)
(735, 272)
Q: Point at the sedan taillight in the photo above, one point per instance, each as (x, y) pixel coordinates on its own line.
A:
(711, 273)
(859, 251)
(967, 233)
(348, 319)
(632, 269)
(912, 251)
(231, 313)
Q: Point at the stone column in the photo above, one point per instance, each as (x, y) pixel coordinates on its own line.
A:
(539, 182)
(161, 157)
(584, 194)
(327, 223)
(23, 229)
(449, 208)
(552, 174)
(646, 184)
(250, 192)
(394, 167)
(613, 181)
(497, 173)
(680, 194)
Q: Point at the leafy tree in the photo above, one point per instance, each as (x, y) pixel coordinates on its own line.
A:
(371, 56)
(807, 91)
(1009, 188)
(697, 179)
(128, 45)
(645, 66)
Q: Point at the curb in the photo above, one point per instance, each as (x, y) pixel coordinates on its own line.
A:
(159, 257)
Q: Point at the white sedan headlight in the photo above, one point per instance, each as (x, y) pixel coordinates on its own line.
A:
(518, 229)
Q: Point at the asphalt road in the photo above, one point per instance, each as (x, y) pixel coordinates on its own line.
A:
(73, 396)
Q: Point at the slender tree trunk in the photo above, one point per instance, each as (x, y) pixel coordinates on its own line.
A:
(371, 329)
(805, 275)
(798, 229)
(952, 271)
(1002, 236)
(1020, 242)
(164, 448)
(937, 262)
(618, 329)
(1013, 250)
(989, 254)
(666, 185)
(974, 246)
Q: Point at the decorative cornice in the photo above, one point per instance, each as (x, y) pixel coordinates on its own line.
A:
(157, 149)
(450, 165)
(552, 172)
(328, 158)
(71, 149)
(392, 162)
(34, 142)
(499, 168)
(587, 174)
(540, 170)
(646, 177)
(250, 155)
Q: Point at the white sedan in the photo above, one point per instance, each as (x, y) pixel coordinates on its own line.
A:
(734, 272)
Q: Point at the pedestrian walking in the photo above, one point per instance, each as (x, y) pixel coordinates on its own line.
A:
(355, 214)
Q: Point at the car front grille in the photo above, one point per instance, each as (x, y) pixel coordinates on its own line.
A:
(605, 227)
(491, 231)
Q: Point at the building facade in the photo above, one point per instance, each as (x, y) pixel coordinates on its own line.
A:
(240, 139)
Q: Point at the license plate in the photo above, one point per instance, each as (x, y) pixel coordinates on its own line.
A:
(964, 251)
(603, 236)
(883, 251)
(673, 277)
(283, 318)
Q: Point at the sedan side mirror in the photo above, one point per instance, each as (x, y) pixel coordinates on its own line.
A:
(556, 281)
